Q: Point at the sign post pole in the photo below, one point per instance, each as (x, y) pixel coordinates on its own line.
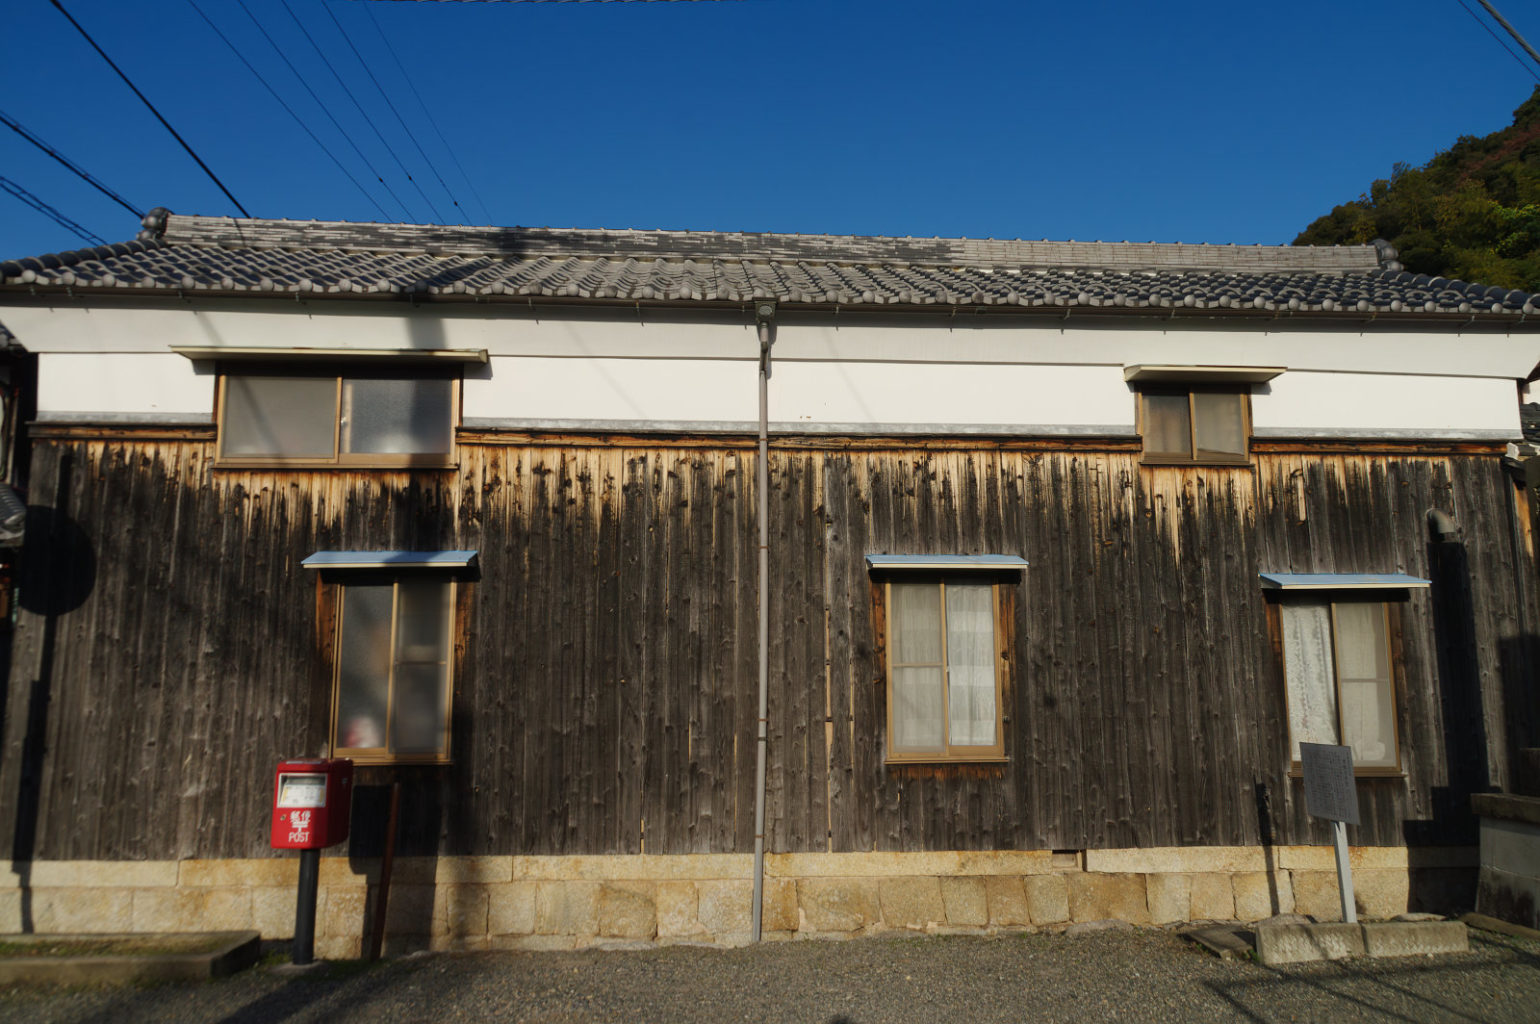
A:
(1330, 793)
(304, 907)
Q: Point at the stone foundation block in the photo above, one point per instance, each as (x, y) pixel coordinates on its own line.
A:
(10, 911)
(1416, 938)
(723, 909)
(628, 910)
(1047, 898)
(113, 874)
(1212, 898)
(1256, 898)
(342, 911)
(1007, 901)
(911, 902)
(413, 910)
(272, 911)
(1096, 897)
(838, 904)
(1315, 894)
(1169, 897)
(253, 871)
(678, 910)
(1381, 892)
(567, 908)
(82, 910)
(464, 910)
(193, 910)
(966, 900)
(780, 910)
(511, 908)
(339, 947)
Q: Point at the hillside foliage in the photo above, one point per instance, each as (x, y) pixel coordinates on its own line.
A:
(1472, 212)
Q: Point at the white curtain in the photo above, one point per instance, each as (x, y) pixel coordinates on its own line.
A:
(1309, 673)
(970, 645)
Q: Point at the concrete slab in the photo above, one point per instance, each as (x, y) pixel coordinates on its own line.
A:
(215, 954)
(1416, 938)
(1492, 924)
(1227, 942)
(1298, 943)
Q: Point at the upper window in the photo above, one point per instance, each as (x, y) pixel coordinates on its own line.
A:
(1337, 670)
(391, 690)
(945, 671)
(1207, 424)
(339, 419)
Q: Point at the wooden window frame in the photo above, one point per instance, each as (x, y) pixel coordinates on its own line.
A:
(953, 754)
(382, 755)
(1241, 391)
(1392, 661)
(338, 459)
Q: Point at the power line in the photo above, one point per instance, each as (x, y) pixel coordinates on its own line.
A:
(1499, 39)
(367, 119)
(1511, 31)
(432, 122)
(326, 110)
(558, 1)
(297, 119)
(399, 119)
(158, 117)
(67, 162)
(42, 207)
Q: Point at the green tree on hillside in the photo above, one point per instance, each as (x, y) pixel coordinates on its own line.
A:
(1472, 212)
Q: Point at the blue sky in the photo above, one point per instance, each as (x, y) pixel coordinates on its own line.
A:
(1201, 121)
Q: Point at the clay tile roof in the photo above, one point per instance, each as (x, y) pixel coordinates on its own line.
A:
(223, 255)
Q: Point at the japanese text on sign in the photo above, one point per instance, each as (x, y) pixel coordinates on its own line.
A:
(1329, 789)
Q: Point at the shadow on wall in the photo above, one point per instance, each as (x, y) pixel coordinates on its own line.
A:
(410, 903)
(58, 573)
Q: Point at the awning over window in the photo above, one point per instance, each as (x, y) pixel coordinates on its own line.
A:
(277, 354)
(390, 560)
(950, 563)
(1341, 581)
(1147, 373)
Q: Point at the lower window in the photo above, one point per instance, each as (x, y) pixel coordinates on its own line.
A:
(944, 672)
(392, 686)
(1337, 670)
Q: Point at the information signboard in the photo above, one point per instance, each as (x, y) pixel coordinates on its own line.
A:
(1329, 789)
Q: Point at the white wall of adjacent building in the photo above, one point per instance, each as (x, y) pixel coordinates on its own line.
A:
(555, 368)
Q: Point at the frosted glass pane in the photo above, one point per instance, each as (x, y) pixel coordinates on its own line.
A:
(422, 623)
(1220, 423)
(918, 714)
(970, 650)
(396, 417)
(417, 725)
(1309, 676)
(916, 624)
(291, 417)
(1363, 676)
(1166, 429)
(363, 671)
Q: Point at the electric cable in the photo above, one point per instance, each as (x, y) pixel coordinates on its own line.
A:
(428, 114)
(167, 124)
(297, 119)
(362, 113)
(37, 204)
(1488, 29)
(33, 138)
(326, 110)
(396, 111)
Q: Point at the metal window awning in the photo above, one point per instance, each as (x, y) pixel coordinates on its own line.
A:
(951, 563)
(1149, 373)
(1341, 581)
(390, 560)
(279, 354)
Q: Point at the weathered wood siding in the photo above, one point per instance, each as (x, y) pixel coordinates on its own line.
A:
(605, 700)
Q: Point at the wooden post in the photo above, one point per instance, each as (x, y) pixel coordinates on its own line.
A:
(387, 863)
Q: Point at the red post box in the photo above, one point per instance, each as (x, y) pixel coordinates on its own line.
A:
(312, 801)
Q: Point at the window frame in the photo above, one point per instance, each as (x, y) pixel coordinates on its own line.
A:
(1389, 609)
(1242, 391)
(338, 459)
(332, 587)
(999, 609)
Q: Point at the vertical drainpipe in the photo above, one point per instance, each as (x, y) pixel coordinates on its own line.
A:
(764, 320)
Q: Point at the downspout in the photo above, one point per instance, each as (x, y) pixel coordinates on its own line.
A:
(764, 320)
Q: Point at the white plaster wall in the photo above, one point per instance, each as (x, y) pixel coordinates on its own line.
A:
(112, 387)
(624, 370)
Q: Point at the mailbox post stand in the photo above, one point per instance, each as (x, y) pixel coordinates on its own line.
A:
(304, 907)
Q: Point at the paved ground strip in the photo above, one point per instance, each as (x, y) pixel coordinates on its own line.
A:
(1143, 975)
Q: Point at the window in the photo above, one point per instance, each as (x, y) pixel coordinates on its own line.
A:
(1337, 675)
(392, 677)
(945, 670)
(1196, 425)
(354, 418)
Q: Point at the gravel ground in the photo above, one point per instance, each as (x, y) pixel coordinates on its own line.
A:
(1145, 975)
